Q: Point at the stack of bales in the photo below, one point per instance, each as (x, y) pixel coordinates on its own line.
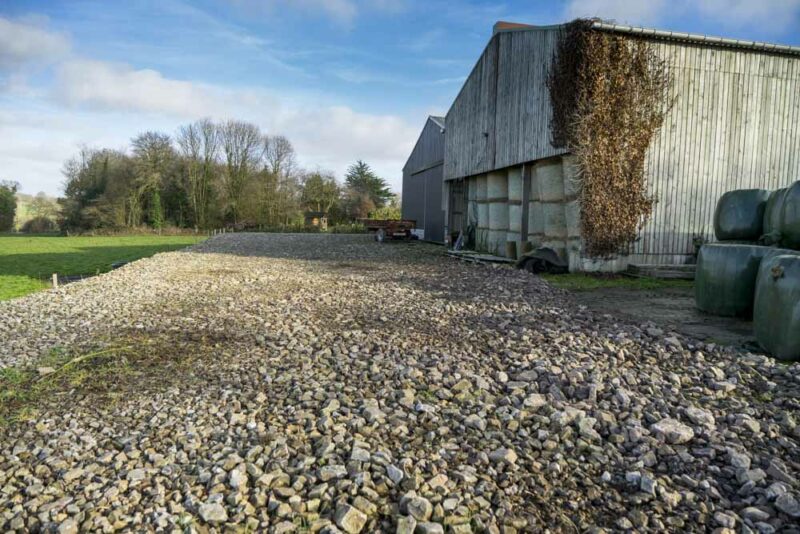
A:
(547, 211)
(550, 178)
(739, 277)
(572, 206)
(514, 244)
(535, 213)
(497, 192)
(482, 228)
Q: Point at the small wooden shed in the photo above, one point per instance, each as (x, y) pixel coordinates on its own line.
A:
(317, 219)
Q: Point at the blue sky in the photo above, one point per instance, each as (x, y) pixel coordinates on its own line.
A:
(343, 79)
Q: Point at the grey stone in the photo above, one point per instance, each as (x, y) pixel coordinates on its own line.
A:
(673, 431)
(350, 519)
(331, 472)
(417, 507)
(406, 525)
(213, 513)
(788, 504)
(700, 416)
(503, 455)
(429, 528)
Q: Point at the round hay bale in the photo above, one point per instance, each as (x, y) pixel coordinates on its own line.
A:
(725, 279)
(772, 217)
(776, 311)
(790, 217)
(740, 214)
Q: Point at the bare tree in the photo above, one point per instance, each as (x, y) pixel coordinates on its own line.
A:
(153, 152)
(243, 148)
(199, 144)
(279, 185)
(279, 155)
(153, 156)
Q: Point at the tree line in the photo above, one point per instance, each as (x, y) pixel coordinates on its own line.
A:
(211, 175)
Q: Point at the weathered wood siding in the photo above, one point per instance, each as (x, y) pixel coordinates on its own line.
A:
(501, 116)
(733, 125)
(422, 182)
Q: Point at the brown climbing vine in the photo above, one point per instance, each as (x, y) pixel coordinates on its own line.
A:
(609, 95)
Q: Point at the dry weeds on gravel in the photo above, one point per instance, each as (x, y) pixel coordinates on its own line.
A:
(326, 383)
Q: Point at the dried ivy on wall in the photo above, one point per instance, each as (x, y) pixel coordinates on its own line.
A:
(609, 95)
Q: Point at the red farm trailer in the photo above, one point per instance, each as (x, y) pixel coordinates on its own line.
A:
(385, 229)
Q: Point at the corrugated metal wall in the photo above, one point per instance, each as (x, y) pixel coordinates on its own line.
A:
(429, 149)
(422, 182)
(733, 125)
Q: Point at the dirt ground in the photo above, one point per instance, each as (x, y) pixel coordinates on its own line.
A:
(670, 309)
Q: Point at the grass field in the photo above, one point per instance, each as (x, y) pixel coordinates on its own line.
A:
(28, 262)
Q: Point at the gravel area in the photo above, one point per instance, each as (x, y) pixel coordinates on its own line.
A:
(339, 385)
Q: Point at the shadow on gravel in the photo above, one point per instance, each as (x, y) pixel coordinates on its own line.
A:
(132, 363)
(672, 309)
(313, 247)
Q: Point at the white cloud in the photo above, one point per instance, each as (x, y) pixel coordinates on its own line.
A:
(773, 15)
(103, 85)
(23, 42)
(341, 11)
(108, 103)
(622, 11)
(103, 104)
(426, 40)
(770, 16)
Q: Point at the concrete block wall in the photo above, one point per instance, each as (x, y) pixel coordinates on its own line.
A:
(495, 210)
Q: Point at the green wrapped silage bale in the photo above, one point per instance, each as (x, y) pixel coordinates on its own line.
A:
(725, 279)
(740, 214)
(776, 313)
(773, 212)
(790, 217)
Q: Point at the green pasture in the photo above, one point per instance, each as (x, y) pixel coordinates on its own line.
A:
(27, 263)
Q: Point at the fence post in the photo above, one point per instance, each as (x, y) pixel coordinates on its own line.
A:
(55, 281)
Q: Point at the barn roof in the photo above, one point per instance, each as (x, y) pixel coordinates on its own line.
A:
(693, 38)
(438, 120)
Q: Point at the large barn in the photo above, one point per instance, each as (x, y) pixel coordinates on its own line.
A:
(730, 121)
